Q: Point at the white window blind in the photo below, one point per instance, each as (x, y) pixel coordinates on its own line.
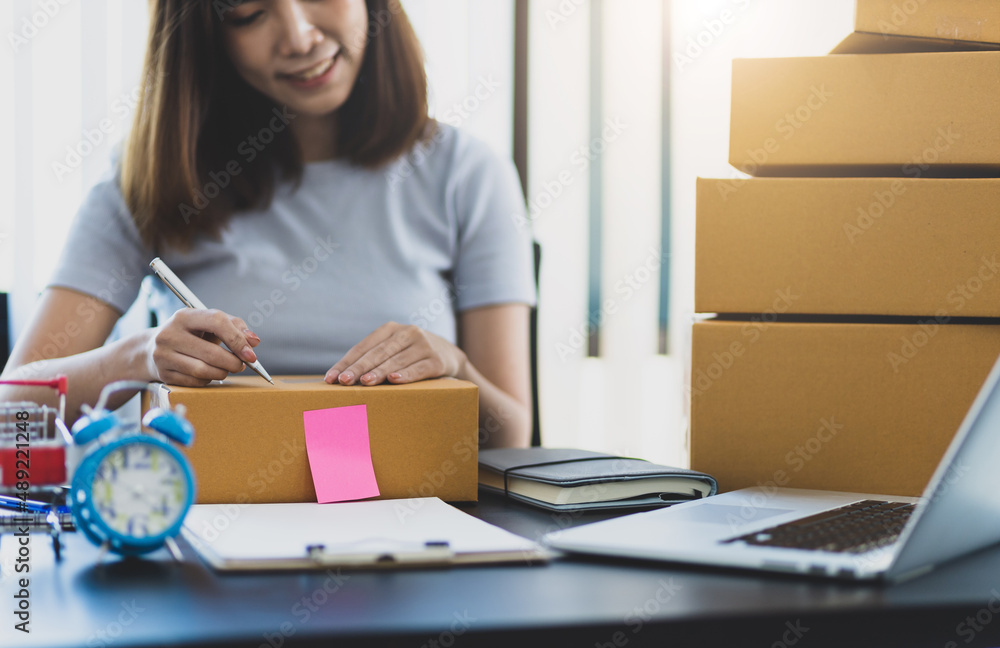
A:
(71, 69)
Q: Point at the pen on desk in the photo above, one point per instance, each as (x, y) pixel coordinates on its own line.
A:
(29, 506)
(189, 299)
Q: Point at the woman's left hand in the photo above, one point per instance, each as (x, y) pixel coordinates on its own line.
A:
(399, 353)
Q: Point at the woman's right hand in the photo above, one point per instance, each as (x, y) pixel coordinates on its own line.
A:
(68, 332)
(185, 349)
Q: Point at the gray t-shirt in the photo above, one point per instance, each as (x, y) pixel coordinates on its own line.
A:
(435, 232)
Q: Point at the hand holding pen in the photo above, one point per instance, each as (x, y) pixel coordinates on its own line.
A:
(180, 356)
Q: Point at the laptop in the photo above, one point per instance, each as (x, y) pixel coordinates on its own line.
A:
(858, 536)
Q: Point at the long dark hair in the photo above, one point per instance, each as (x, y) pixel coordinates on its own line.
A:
(196, 112)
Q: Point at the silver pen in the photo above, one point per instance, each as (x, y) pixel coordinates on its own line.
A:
(189, 299)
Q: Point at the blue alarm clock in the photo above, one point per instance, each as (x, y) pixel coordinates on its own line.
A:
(132, 488)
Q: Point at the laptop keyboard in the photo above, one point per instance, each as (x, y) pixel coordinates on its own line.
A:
(855, 528)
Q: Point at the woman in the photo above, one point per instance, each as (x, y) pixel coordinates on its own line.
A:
(283, 164)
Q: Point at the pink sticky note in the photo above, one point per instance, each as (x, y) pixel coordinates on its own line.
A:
(340, 457)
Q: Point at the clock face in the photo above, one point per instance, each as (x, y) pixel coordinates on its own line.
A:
(139, 490)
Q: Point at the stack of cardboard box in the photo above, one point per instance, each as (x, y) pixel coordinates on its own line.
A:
(857, 274)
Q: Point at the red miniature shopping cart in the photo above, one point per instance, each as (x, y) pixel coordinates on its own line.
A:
(36, 431)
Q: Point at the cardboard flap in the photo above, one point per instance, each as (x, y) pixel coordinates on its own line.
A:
(869, 43)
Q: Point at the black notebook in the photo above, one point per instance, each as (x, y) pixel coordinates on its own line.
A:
(564, 479)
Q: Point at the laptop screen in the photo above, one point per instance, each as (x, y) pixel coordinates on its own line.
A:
(960, 509)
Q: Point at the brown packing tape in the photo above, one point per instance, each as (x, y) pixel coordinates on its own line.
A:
(250, 445)
(850, 407)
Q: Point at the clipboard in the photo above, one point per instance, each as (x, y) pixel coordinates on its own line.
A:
(377, 534)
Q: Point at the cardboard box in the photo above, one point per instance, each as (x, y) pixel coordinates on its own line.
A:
(950, 20)
(851, 407)
(848, 246)
(898, 115)
(250, 440)
(867, 43)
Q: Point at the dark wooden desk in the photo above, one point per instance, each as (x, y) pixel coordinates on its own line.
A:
(583, 603)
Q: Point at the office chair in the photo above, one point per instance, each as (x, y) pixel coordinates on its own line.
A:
(536, 432)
